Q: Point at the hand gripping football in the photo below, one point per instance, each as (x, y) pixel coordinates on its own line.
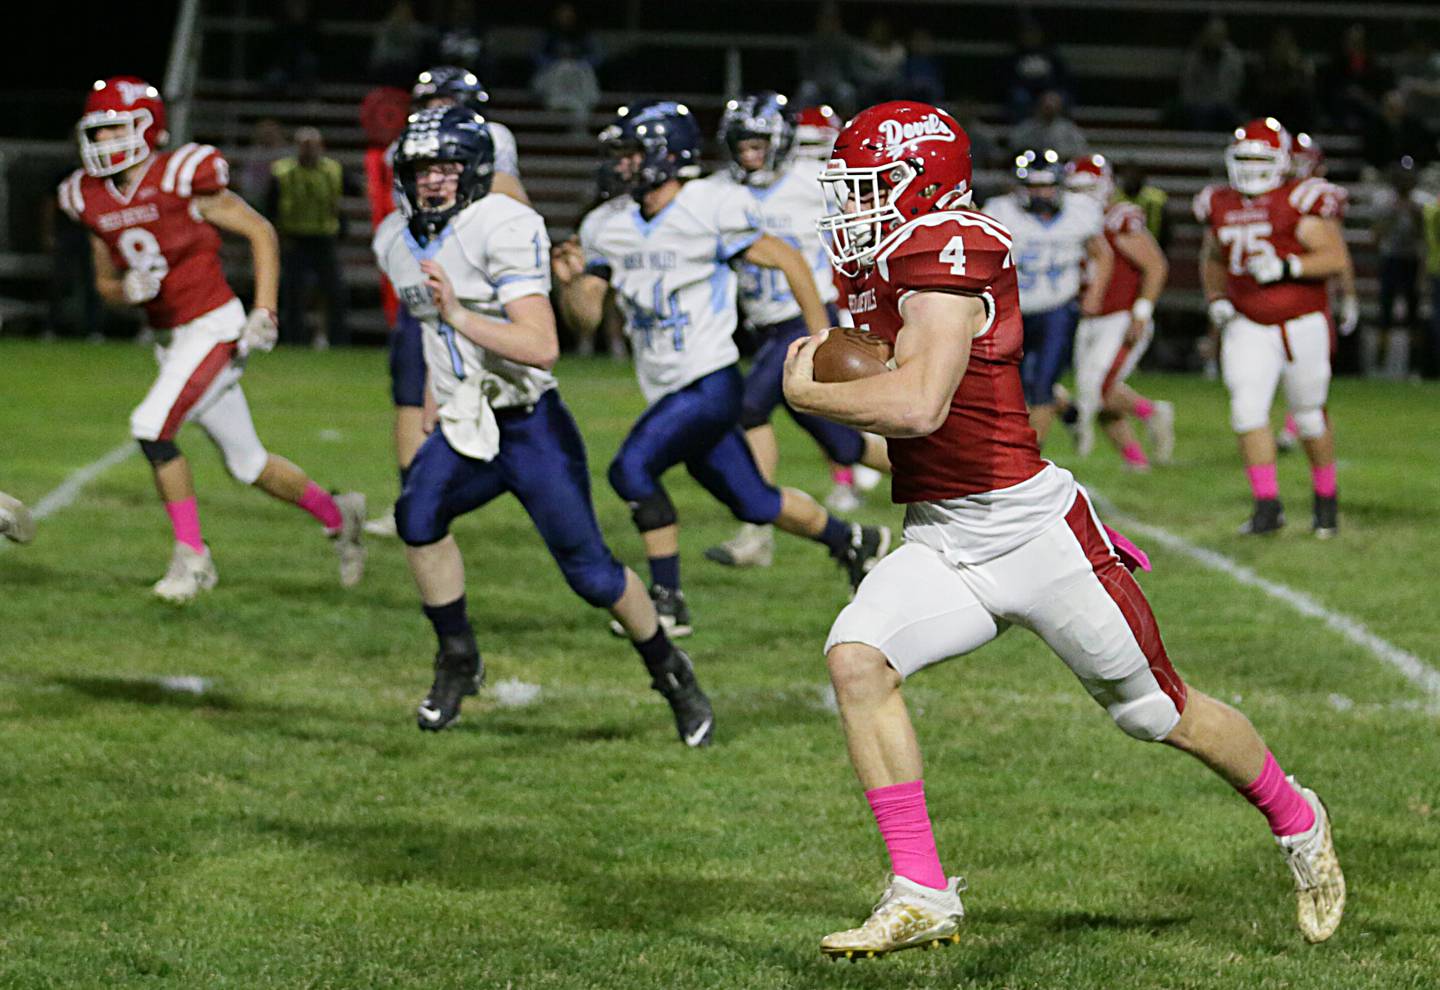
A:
(848, 354)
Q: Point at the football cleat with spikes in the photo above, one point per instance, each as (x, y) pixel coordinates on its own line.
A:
(349, 539)
(675, 680)
(383, 526)
(842, 499)
(753, 546)
(1325, 521)
(1160, 429)
(459, 672)
(16, 522)
(1319, 882)
(867, 545)
(190, 573)
(907, 916)
(1268, 517)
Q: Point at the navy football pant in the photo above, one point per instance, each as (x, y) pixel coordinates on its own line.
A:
(764, 390)
(696, 426)
(1048, 339)
(542, 463)
(407, 361)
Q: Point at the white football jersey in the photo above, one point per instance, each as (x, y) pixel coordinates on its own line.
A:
(1049, 254)
(787, 209)
(673, 279)
(495, 251)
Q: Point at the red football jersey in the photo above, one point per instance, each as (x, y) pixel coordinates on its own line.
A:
(157, 227)
(1248, 227)
(985, 442)
(1124, 287)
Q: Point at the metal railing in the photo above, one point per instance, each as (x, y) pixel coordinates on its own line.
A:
(182, 69)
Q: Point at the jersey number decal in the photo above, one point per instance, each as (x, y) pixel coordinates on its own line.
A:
(755, 281)
(1245, 241)
(954, 252)
(661, 316)
(141, 251)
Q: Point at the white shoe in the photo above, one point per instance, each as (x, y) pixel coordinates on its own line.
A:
(907, 916)
(16, 522)
(867, 478)
(1319, 883)
(1160, 428)
(842, 499)
(383, 526)
(189, 574)
(349, 538)
(753, 546)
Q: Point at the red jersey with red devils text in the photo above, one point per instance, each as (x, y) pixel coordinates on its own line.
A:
(986, 442)
(1250, 227)
(157, 227)
(1124, 287)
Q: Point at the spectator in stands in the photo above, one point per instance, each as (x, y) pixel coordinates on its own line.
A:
(1284, 83)
(1354, 81)
(401, 46)
(304, 202)
(1211, 80)
(878, 63)
(565, 65)
(459, 37)
(1395, 133)
(1036, 68)
(1048, 127)
(294, 44)
(1417, 70)
(1399, 239)
(825, 63)
(267, 146)
(922, 78)
(1134, 188)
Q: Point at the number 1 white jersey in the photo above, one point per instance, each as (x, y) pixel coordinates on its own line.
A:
(673, 279)
(786, 209)
(1048, 253)
(495, 251)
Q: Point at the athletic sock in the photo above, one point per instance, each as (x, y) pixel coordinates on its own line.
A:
(449, 619)
(1324, 479)
(835, 536)
(1282, 804)
(665, 571)
(655, 650)
(843, 475)
(1134, 454)
(904, 824)
(321, 504)
(1144, 409)
(185, 521)
(1263, 483)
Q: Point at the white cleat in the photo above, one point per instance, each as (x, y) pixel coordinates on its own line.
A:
(349, 538)
(189, 574)
(1160, 428)
(383, 526)
(908, 916)
(753, 546)
(842, 499)
(1319, 883)
(867, 478)
(16, 522)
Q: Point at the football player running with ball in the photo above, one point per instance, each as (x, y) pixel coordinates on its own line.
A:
(473, 266)
(154, 218)
(1271, 245)
(994, 535)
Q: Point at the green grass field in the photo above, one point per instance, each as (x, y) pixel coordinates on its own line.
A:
(289, 827)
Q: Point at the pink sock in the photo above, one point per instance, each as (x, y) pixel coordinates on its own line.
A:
(1324, 478)
(905, 827)
(185, 521)
(1263, 482)
(1292, 428)
(1284, 807)
(320, 504)
(843, 476)
(1144, 409)
(1134, 454)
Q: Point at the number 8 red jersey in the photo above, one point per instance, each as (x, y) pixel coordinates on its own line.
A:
(1250, 227)
(158, 228)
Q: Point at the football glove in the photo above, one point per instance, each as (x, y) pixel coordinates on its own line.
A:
(260, 331)
(1221, 312)
(139, 286)
(1349, 315)
(1268, 269)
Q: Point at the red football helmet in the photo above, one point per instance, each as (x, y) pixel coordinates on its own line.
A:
(131, 104)
(815, 131)
(1091, 175)
(1307, 158)
(1258, 159)
(892, 163)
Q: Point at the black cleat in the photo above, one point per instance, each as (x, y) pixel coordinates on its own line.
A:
(1325, 522)
(670, 609)
(867, 545)
(1268, 517)
(459, 672)
(675, 680)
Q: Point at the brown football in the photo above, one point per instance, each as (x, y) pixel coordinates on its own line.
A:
(848, 354)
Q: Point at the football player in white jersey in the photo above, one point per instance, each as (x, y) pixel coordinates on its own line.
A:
(1054, 235)
(783, 192)
(668, 257)
(473, 267)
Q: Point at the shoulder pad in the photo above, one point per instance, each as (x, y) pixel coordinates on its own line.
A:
(195, 170)
(72, 195)
(955, 251)
(1124, 218)
(1316, 197)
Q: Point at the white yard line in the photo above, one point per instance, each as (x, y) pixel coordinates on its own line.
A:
(69, 489)
(1411, 667)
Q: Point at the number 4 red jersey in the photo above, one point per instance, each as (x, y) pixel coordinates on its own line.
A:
(158, 228)
(986, 442)
(1249, 227)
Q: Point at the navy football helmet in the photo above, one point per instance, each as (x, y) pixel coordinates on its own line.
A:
(1041, 178)
(442, 134)
(665, 136)
(766, 115)
(449, 82)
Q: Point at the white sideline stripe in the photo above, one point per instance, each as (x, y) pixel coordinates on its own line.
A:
(69, 489)
(1411, 667)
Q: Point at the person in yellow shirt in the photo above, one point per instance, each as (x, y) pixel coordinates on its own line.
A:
(304, 203)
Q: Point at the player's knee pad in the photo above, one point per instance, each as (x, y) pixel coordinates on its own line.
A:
(753, 415)
(630, 477)
(1149, 718)
(653, 511)
(1311, 423)
(600, 580)
(1248, 415)
(245, 461)
(159, 452)
(419, 521)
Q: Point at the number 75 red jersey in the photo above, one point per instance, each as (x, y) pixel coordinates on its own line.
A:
(1250, 227)
(158, 228)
